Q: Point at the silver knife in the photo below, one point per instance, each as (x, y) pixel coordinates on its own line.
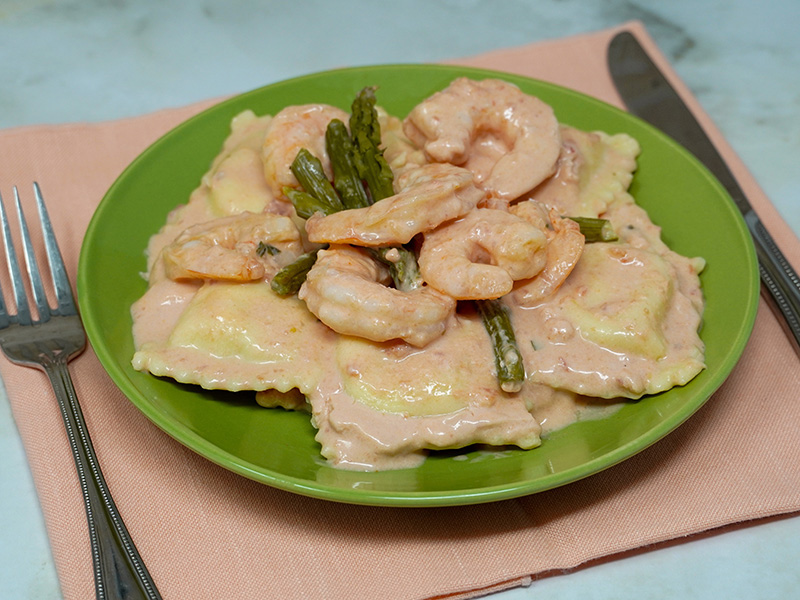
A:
(648, 95)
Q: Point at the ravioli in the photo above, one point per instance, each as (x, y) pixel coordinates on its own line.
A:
(235, 337)
(237, 184)
(594, 170)
(395, 401)
(619, 327)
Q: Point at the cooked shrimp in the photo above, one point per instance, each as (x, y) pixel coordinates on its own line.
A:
(510, 140)
(293, 128)
(564, 249)
(481, 255)
(534, 212)
(427, 197)
(227, 249)
(344, 290)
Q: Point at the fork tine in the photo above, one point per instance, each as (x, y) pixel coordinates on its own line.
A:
(5, 319)
(23, 316)
(39, 296)
(66, 301)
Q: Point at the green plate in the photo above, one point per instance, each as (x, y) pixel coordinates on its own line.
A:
(277, 447)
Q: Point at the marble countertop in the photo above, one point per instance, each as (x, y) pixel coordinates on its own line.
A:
(72, 60)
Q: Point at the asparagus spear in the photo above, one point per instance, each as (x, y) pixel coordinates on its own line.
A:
(596, 230)
(507, 357)
(370, 165)
(288, 280)
(353, 159)
(305, 204)
(365, 131)
(309, 172)
(319, 195)
(346, 179)
(403, 266)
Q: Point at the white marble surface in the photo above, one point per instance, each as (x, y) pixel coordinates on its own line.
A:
(102, 59)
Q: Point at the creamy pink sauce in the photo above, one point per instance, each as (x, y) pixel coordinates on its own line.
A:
(386, 405)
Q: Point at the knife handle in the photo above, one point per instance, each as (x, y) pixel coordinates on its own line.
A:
(777, 275)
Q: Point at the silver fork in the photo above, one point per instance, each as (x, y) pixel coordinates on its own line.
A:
(48, 343)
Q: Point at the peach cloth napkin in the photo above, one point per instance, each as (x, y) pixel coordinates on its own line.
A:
(206, 533)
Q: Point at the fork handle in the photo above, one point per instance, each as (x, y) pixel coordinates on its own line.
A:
(119, 572)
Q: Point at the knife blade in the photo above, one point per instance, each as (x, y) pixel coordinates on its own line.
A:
(648, 95)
